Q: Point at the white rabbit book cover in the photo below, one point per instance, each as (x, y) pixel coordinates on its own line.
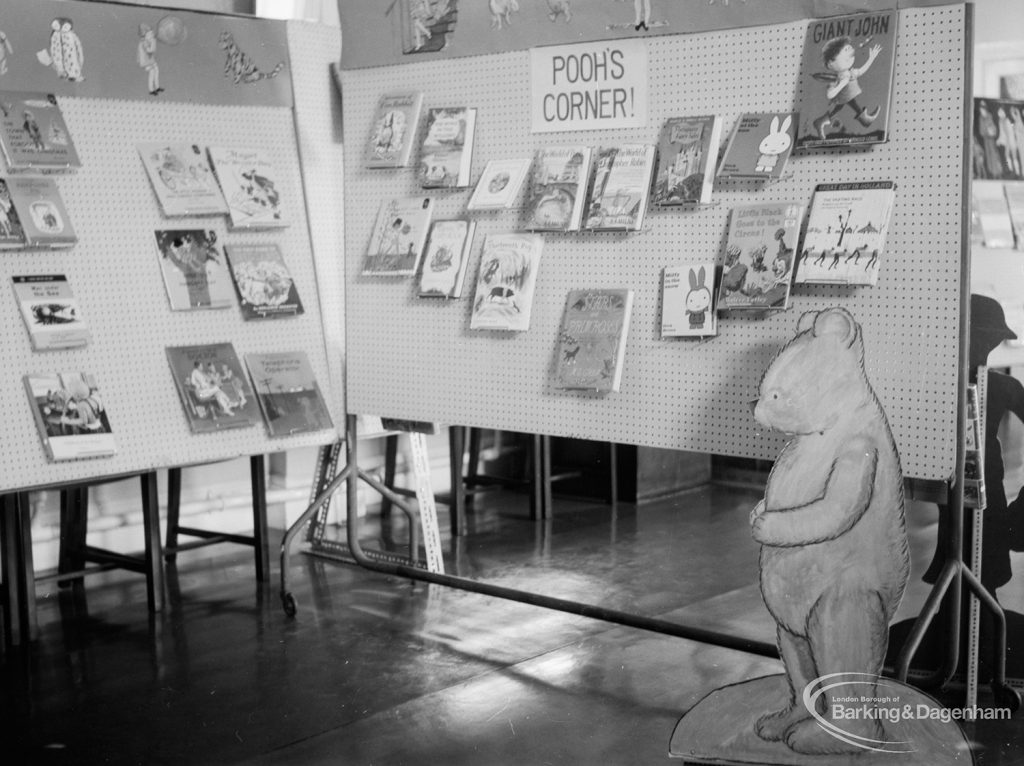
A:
(592, 339)
(688, 301)
(759, 146)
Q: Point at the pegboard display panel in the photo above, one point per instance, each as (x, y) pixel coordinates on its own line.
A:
(416, 358)
(116, 277)
(314, 48)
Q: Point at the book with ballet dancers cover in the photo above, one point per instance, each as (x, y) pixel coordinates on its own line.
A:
(847, 227)
(213, 387)
(70, 415)
(33, 135)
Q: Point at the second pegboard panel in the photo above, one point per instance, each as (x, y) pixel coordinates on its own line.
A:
(415, 358)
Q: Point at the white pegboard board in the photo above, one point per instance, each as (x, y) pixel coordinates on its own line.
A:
(414, 358)
(115, 275)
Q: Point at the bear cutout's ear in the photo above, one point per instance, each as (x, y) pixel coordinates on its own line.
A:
(806, 321)
(837, 322)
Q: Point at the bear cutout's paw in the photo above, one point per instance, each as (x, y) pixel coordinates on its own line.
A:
(773, 726)
(810, 738)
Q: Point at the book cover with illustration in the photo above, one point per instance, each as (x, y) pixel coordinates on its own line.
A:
(12, 233)
(592, 339)
(688, 307)
(52, 315)
(847, 226)
(558, 188)
(33, 135)
(687, 157)
(503, 299)
(44, 219)
(398, 237)
(427, 25)
(759, 145)
(846, 78)
(288, 394)
(620, 187)
(250, 186)
(446, 152)
(212, 386)
(998, 140)
(446, 258)
(395, 126)
(499, 184)
(263, 282)
(70, 415)
(759, 255)
(195, 274)
(182, 179)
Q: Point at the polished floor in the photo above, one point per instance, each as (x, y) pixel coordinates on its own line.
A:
(378, 670)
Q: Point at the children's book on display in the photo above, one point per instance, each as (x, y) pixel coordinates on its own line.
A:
(558, 188)
(41, 213)
(505, 284)
(263, 282)
(446, 153)
(288, 394)
(250, 186)
(620, 188)
(499, 184)
(446, 258)
(182, 179)
(759, 146)
(688, 301)
(998, 140)
(398, 237)
(395, 125)
(51, 313)
(847, 227)
(592, 339)
(687, 156)
(759, 255)
(195, 274)
(70, 415)
(33, 135)
(12, 233)
(213, 388)
(846, 80)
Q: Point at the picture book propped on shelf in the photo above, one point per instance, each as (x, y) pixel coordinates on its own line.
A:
(688, 301)
(446, 258)
(213, 388)
(12, 233)
(505, 282)
(250, 187)
(288, 394)
(52, 315)
(264, 284)
(447, 149)
(759, 255)
(846, 79)
(687, 157)
(41, 212)
(33, 135)
(193, 267)
(620, 188)
(759, 146)
(998, 140)
(558, 188)
(70, 415)
(182, 179)
(398, 237)
(592, 339)
(395, 126)
(846, 233)
(499, 184)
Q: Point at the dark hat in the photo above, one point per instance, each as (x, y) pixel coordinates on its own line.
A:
(987, 317)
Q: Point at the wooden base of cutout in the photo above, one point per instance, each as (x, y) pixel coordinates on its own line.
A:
(720, 730)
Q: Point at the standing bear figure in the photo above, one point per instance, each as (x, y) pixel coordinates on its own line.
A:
(834, 561)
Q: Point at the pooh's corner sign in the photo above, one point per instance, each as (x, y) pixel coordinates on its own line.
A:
(591, 86)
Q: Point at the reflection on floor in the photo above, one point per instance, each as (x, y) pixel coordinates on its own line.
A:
(378, 670)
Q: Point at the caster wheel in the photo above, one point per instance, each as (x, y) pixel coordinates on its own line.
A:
(291, 607)
(1007, 697)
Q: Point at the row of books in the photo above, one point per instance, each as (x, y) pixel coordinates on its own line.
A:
(73, 420)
